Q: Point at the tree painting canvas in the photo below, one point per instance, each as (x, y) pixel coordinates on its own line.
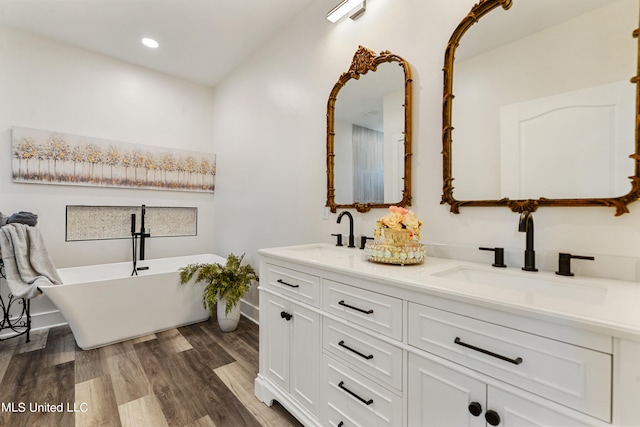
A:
(46, 157)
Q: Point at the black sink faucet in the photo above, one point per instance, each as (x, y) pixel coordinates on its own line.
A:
(351, 237)
(526, 226)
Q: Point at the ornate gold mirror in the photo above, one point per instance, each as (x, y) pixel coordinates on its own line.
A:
(369, 134)
(542, 109)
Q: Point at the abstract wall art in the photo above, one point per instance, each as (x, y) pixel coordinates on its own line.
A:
(47, 157)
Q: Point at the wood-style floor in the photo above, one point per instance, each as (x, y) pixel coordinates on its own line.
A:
(193, 376)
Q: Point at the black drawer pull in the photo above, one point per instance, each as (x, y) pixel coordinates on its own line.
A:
(515, 361)
(366, 402)
(341, 302)
(364, 356)
(287, 284)
(341, 424)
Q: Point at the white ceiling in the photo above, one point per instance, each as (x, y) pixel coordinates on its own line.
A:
(200, 40)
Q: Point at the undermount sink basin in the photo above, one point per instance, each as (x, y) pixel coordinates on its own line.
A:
(528, 283)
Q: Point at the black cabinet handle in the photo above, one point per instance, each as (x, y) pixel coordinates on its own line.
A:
(286, 315)
(341, 302)
(492, 417)
(287, 284)
(341, 423)
(366, 402)
(475, 409)
(364, 356)
(516, 361)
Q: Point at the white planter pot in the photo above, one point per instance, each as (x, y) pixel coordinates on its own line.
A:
(227, 322)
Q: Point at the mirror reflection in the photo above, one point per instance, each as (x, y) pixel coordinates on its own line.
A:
(544, 107)
(369, 137)
(368, 140)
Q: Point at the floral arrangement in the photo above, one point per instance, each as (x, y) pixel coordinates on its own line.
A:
(399, 218)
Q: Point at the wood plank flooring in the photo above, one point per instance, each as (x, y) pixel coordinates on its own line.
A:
(193, 376)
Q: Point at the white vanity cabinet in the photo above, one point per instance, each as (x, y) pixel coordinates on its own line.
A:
(572, 375)
(290, 340)
(363, 362)
(373, 345)
(293, 350)
(442, 396)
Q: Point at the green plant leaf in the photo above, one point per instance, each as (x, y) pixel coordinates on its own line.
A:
(230, 281)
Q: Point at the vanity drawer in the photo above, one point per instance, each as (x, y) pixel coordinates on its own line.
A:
(378, 312)
(294, 284)
(365, 402)
(376, 358)
(573, 376)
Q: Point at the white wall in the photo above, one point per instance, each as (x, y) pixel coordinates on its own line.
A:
(51, 86)
(269, 132)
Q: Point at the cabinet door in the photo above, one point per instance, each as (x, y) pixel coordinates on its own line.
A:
(514, 411)
(305, 356)
(277, 341)
(441, 397)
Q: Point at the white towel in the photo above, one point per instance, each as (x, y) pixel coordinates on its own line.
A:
(26, 260)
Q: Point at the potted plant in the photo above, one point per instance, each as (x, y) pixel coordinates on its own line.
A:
(225, 285)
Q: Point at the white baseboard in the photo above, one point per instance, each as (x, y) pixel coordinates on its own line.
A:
(250, 311)
(45, 320)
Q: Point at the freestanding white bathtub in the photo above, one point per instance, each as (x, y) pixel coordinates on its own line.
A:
(104, 304)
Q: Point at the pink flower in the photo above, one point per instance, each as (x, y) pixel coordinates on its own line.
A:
(398, 209)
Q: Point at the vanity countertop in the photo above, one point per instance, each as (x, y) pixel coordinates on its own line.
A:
(601, 305)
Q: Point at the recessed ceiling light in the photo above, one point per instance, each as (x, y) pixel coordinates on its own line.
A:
(150, 43)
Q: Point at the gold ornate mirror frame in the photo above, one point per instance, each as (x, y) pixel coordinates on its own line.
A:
(619, 203)
(366, 60)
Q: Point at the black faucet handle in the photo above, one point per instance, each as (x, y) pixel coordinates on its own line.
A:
(363, 241)
(564, 263)
(339, 239)
(498, 260)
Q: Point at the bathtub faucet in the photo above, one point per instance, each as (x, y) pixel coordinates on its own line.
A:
(142, 233)
(134, 241)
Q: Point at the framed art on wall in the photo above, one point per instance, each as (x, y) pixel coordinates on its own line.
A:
(47, 157)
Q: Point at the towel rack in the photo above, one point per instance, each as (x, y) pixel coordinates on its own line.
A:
(15, 313)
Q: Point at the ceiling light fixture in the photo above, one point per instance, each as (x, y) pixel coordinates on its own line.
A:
(353, 7)
(150, 43)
